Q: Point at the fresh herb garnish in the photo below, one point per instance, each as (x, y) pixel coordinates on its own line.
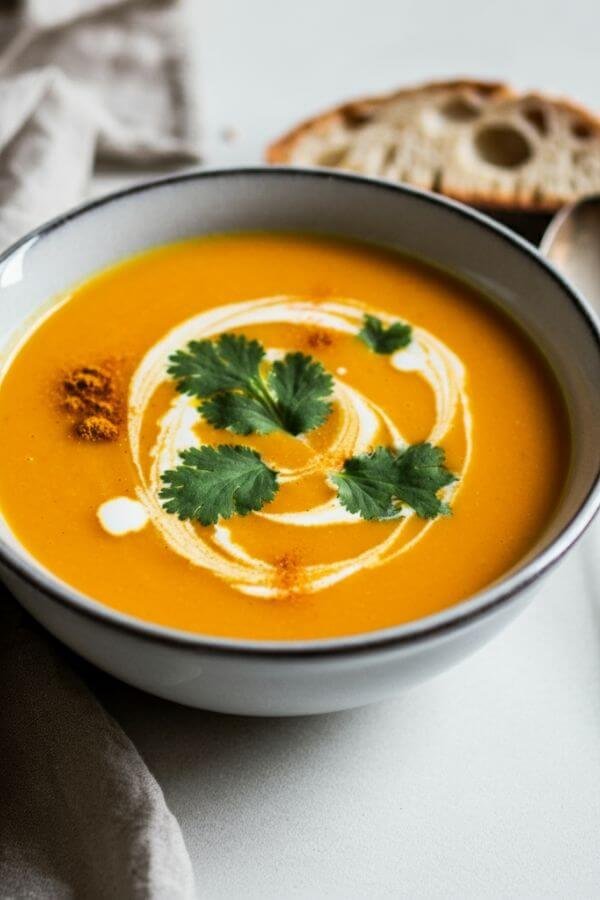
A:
(218, 482)
(245, 394)
(384, 340)
(376, 485)
(227, 375)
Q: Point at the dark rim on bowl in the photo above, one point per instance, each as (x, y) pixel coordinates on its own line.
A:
(437, 624)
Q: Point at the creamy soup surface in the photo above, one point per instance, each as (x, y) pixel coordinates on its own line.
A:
(81, 474)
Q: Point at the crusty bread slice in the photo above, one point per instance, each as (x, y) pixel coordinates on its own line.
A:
(480, 142)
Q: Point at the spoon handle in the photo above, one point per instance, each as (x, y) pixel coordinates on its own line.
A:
(572, 244)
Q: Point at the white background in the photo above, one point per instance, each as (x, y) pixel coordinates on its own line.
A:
(484, 783)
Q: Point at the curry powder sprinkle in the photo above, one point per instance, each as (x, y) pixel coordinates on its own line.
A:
(289, 573)
(91, 396)
(319, 338)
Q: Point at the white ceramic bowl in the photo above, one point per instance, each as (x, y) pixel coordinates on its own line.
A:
(272, 678)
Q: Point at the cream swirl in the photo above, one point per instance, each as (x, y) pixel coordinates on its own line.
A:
(359, 422)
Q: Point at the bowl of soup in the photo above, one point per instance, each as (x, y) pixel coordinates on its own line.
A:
(282, 441)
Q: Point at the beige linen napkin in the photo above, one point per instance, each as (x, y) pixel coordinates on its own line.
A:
(80, 814)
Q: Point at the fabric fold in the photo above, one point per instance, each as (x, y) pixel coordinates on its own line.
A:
(85, 82)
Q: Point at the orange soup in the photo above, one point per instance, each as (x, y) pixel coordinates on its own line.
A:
(278, 437)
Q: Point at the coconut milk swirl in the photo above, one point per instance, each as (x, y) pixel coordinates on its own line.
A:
(360, 421)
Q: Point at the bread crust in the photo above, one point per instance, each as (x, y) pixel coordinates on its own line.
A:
(359, 110)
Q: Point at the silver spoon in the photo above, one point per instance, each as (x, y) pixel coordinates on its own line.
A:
(572, 243)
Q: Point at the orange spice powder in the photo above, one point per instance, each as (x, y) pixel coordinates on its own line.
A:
(289, 573)
(92, 397)
(319, 339)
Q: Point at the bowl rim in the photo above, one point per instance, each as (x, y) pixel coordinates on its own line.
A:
(440, 624)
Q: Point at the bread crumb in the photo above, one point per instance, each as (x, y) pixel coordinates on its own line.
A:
(229, 134)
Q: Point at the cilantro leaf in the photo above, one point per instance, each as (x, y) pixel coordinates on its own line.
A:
(239, 413)
(377, 484)
(206, 367)
(227, 375)
(301, 386)
(420, 474)
(366, 484)
(218, 482)
(384, 340)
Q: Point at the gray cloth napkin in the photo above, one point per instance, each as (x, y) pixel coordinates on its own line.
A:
(80, 814)
(86, 81)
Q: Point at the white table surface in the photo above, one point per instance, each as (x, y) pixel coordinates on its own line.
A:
(484, 783)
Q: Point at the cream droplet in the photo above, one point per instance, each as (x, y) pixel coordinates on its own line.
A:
(121, 515)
